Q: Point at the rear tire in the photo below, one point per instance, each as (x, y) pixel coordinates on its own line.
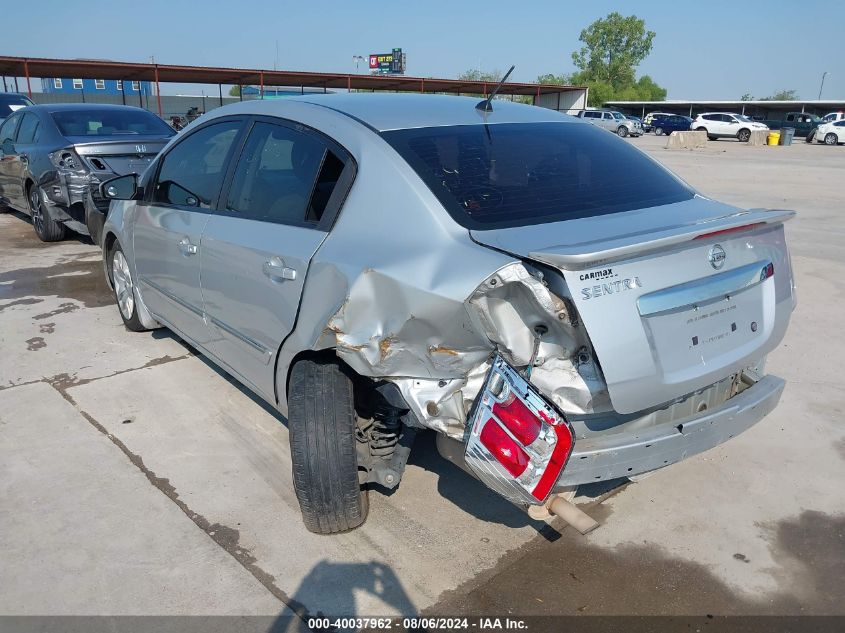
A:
(743, 135)
(658, 131)
(831, 139)
(124, 289)
(622, 131)
(46, 228)
(321, 423)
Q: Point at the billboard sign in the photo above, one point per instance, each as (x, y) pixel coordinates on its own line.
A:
(392, 63)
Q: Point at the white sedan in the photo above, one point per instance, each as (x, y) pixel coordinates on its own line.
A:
(831, 133)
(726, 125)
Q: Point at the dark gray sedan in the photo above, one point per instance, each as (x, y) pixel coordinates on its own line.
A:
(53, 157)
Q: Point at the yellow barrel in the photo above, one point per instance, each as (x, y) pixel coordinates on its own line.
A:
(773, 138)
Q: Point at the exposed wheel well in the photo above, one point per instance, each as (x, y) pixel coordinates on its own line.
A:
(324, 354)
(108, 242)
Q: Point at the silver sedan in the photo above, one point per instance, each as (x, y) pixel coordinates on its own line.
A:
(557, 306)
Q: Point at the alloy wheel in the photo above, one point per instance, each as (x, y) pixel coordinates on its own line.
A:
(36, 212)
(122, 280)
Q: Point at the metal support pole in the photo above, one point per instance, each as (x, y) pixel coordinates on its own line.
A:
(158, 92)
(240, 92)
(220, 92)
(348, 83)
(422, 85)
(123, 90)
(262, 84)
(16, 85)
(29, 87)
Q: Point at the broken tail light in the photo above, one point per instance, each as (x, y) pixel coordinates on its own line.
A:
(518, 442)
(506, 450)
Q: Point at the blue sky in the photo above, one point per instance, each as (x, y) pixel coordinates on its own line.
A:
(703, 50)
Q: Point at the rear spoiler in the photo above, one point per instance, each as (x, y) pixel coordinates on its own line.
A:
(587, 255)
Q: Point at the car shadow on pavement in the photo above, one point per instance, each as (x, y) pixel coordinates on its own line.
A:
(334, 590)
(26, 232)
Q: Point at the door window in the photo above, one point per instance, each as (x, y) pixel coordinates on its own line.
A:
(7, 130)
(192, 171)
(28, 132)
(283, 175)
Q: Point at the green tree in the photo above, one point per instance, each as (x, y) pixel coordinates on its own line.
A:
(613, 47)
(492, 78)
(747, 97)
(782, 95)
(234, 91)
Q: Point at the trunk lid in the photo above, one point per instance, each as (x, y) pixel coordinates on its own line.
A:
(673, 298)
(123, 156)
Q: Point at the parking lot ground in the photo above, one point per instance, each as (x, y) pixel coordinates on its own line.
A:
(137, 478)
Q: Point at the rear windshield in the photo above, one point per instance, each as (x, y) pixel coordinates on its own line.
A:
(517, 174)
(10, 103)
(100, 123)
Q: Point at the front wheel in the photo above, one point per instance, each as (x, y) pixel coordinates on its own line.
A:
(658, 131)
(743, 135)
(622, 131)
(46, 228)
(321, 423)
(124, 289)
(830, 139)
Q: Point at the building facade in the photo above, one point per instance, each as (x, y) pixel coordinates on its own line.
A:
(65, 85)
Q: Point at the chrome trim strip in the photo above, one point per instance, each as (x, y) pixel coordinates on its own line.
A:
(703, 290)
(172, 297)
(265, 351)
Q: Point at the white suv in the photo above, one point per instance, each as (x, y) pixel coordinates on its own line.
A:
(726, 125)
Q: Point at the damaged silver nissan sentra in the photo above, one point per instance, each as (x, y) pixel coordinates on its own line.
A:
(556, 305)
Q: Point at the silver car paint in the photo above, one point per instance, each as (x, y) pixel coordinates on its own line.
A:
(416, 306)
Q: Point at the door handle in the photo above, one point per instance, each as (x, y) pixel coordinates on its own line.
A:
(186, 247)
(275, 268)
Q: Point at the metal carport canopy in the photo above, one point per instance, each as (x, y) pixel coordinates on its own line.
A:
(104, 69)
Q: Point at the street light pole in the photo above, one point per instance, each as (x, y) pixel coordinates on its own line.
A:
(822, 86)
(357, 59)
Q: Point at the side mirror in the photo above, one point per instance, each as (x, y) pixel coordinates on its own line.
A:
(120, 188)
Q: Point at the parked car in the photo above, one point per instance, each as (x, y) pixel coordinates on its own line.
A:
(11, 101)
(647, 126)
(53, 157)
(831, 133)
(726, 125)
(669, 123)
(613, 121)
(803, 122)
(558, 307)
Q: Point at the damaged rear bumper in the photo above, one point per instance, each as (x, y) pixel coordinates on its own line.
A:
(623, 454)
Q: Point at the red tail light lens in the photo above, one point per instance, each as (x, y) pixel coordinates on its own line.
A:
(507, 452)
(518, 418)
(735, 229)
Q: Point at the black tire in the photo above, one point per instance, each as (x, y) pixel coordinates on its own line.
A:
(46, 228)
(622, 131)
(658, 131)
(321, 423)
(743, 135)
(830, 139)
(809, 138)
(132, 322)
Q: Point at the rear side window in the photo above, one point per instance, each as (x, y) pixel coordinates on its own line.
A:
(283, 175)
(192, 171)
(516, 174)
(28, 132)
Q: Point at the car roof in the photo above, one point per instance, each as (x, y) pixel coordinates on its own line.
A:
(13, 95)
(384, 112)
(81, 107)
